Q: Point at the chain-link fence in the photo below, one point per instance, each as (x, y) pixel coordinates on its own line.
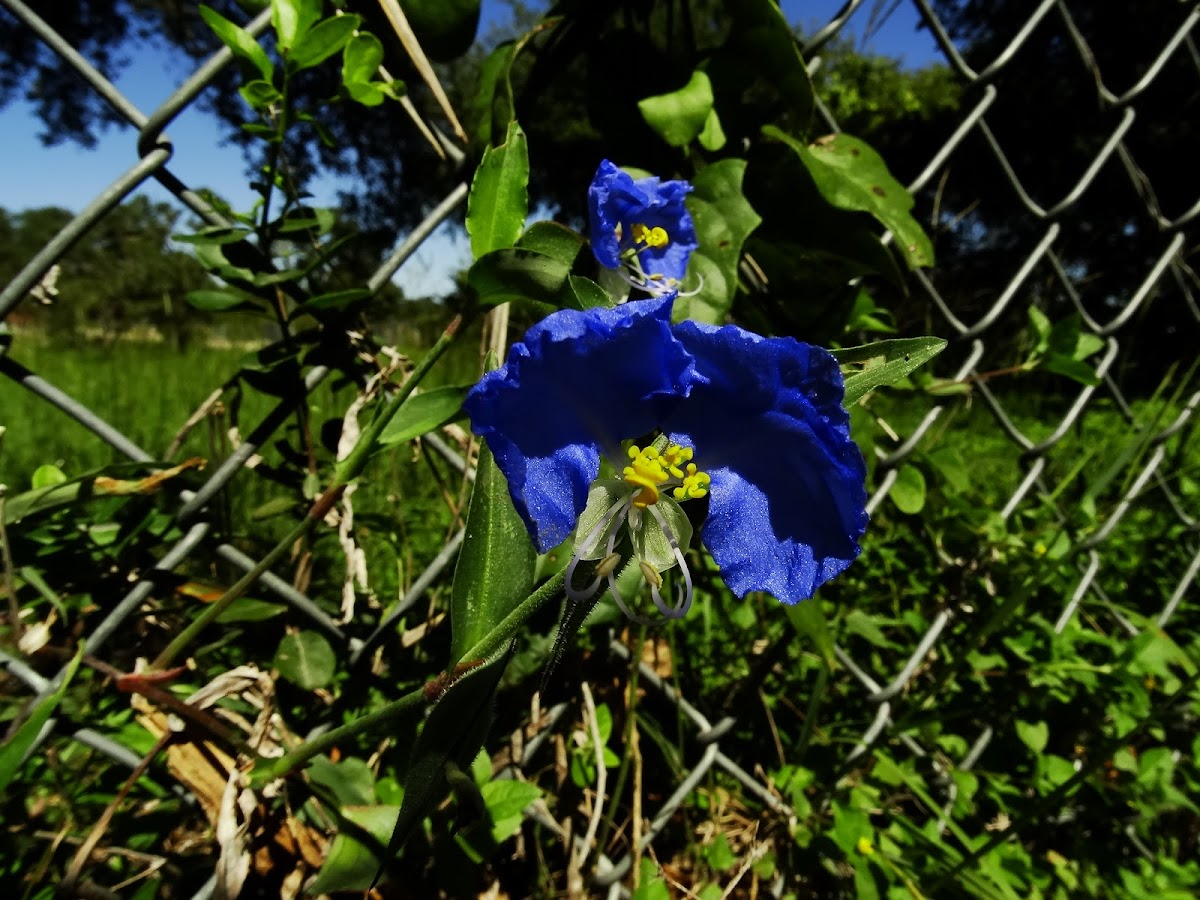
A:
(973, 143)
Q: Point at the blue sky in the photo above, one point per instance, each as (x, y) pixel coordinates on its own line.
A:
(67, 175)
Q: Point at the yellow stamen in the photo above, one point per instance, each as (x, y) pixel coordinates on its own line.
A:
(651, 468)
(695, 484)
(651, 237)
(647, 472)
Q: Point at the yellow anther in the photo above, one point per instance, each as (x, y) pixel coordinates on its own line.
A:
(608, 565)
(695, 484)
(647, 472)
(865, 847)
(651, 237)
(675, 456)
(650, 574)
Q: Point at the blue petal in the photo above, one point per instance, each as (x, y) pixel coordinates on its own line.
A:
(766, 422)
(604, 212)
(578, 384)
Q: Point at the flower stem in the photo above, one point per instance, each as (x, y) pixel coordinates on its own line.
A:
(267, 770)
(180, 642)
(507, 629)
(349, 469)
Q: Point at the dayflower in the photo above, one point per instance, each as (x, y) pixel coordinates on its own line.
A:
(751, 426)
(641, 228)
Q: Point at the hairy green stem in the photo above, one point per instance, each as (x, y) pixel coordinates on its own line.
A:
(267, 770)
(181, 641)
(349, 469)
(495, 640)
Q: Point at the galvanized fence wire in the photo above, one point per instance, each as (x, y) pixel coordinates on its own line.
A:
(152, 151)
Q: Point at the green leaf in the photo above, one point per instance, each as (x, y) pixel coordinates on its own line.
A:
(680, 116)
(1071, 368)
(723, 220)
(653, 888)
(719, 855)
(238, 40)
(260, 95)
(354, 859)
(335, 300)
(306, 659)
(361, 58)
(505, 802)
(808, 618)
(276, 506)
(366, 93)
(12, 752)
(587, 294)
(215, 301)
(506, 275)
(1041, 328)
(762, 60)
(908, 490)
(110, 481)
(495, 566)
(712, 138)
(215, 234)
(554, 240)
(350, 780)
(445, 28)
(499, 202)
(862, 624)
(291, 20)
(453, 732)
(421, 413)
(492, 106)
(324, 40)
(950, 465)
(307, 218)
(852, 176)
(884, 362)
(247, 609)
(47, 476)
(1033, 735)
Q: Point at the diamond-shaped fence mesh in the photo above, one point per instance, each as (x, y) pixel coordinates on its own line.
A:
(976, 148)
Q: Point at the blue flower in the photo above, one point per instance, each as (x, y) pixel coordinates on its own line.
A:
(641, 228)
(754, 424)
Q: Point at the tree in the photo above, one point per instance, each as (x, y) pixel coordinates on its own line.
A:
(122, 274)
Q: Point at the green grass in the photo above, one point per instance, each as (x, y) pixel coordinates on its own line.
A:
(148, 390)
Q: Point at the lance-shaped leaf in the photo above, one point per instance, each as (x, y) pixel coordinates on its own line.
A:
(422, 413)
(495, 567)
(291, 20)
(499, 201)
(453, 733)
(238, 40)
(12, 752)
(517, 274)
(322, 41)
(353, 859)
(851, 175)
(885, 362)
